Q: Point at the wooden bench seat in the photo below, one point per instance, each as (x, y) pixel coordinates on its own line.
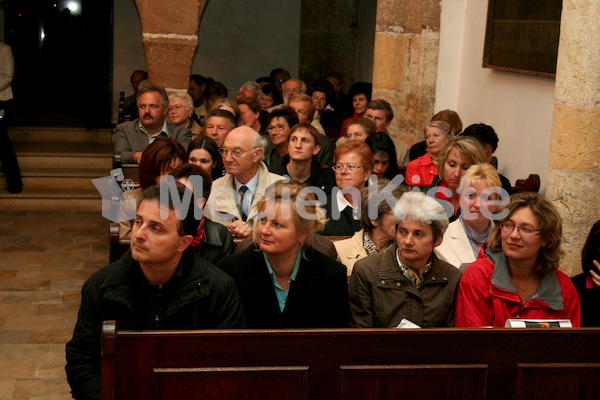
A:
(363, 364)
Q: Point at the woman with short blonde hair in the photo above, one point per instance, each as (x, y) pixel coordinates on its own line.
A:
(283, 281)
(465, 237)
(454, 161)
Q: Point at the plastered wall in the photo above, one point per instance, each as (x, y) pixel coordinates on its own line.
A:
(519, 107)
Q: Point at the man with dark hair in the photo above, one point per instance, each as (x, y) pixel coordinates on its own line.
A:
(342, 103)
(301, 163)
(158, 285)
(279, 76)
(132, 137)
(486, 135)
(130, 104)
(380, 112)
(218, 124)
(304, 107)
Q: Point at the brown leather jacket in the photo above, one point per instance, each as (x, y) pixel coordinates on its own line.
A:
(381, 296)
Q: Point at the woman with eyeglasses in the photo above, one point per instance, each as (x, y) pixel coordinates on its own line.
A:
(517, 277)
(279, 127)
(353, 165)
(378, 231)
(181, 109)
(269, 97)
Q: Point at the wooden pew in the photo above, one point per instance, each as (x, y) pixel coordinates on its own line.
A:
(350, 364)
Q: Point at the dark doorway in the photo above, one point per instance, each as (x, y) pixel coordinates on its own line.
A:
(63, 61)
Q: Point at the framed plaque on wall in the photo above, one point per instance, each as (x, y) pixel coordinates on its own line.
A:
(522, 36)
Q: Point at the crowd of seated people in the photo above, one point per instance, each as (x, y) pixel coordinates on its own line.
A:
(446, 248)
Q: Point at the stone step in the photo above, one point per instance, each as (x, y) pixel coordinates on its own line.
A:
(51, 200)
(59, 135)
(64, 155)
(58, 178)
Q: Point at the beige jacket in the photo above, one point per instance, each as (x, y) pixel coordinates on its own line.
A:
(455, 248)
(350, 250)
(221, 206)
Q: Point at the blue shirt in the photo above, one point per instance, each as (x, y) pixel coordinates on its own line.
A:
(279, 292)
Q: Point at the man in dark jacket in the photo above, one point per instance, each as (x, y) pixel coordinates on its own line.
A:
(300, 163)
(158, 284)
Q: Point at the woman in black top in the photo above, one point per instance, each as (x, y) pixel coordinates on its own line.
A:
(282, 280)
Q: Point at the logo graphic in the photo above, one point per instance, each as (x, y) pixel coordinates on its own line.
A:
(115, 206)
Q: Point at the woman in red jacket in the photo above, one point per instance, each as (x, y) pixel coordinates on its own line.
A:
(518, 278)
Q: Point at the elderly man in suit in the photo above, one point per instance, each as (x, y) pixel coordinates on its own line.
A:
(233, 198)
(132, 137)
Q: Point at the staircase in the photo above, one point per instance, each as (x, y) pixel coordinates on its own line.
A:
(57, 168)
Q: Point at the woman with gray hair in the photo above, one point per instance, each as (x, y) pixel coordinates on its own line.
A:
(408, 283)
(181, 108)
(423, 170)
(378, 233)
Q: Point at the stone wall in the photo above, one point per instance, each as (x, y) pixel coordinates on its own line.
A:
(574, 174)
(405, 62)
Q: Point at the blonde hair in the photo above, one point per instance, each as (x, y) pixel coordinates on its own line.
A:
(301, 202)
(482, 172)
(469, 148)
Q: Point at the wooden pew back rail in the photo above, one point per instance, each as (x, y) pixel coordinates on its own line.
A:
(351, 364)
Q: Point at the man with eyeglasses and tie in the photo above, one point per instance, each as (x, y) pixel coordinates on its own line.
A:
(132, 137)
(234, 197)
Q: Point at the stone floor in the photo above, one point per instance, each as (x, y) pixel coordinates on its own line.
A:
(44, 259)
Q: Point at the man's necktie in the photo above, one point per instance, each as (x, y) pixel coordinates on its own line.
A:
(242, 190)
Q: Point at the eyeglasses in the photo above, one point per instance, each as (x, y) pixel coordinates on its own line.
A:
(349, 167)
(523, 230)
(176, 108)
(279, 127)
(295, 90)
(237, 152)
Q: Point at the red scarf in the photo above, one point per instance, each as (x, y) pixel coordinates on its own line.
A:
(199, 234)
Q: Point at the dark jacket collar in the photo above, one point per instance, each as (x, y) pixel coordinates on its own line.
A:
(119, 286)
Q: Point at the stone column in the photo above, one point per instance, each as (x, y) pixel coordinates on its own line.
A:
(170, 36)
(574, 166)
(405, 62)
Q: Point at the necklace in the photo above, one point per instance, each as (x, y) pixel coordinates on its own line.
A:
(284, 285)
(526, 288)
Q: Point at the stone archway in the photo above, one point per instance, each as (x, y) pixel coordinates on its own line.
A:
(170, 36)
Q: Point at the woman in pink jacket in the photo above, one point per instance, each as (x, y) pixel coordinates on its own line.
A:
(518, 277)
